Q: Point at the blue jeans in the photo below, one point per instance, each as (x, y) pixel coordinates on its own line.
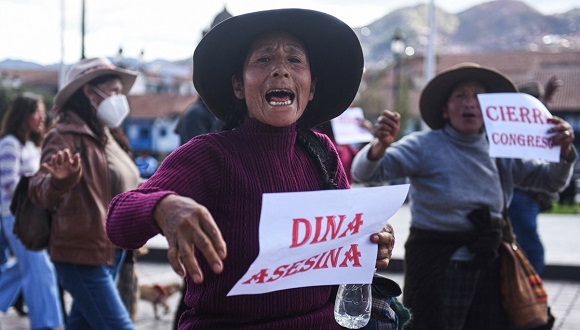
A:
(34, 274)
(4, 247)
(523, 213)
(96, 301)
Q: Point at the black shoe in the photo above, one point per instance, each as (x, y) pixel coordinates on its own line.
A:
(19, 306)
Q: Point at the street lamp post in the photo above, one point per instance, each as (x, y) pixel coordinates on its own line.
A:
(398, 49)
(83, 30)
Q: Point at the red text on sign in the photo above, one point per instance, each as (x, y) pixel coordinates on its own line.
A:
(329, 259)
(323, 228)
(515, 114)
(521, 140)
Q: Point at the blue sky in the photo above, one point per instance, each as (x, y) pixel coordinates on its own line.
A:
(31, 29)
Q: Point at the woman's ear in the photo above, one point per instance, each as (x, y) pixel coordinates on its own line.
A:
(312, 89)
(444, 113)
(87, 91)
(90, 94)
(238, 86)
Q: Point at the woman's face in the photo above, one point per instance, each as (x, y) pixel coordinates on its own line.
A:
(462, 110)
(108, 88)
(37, 118)
(277, 83)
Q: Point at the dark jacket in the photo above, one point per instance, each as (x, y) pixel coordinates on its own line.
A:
(80, 208)
(195, 121)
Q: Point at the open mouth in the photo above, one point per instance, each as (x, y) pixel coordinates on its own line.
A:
(280, 97)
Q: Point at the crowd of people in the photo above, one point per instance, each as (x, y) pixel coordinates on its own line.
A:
(267, 87)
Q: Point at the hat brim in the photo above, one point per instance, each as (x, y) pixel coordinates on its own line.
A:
(334, 51)
(127, 78)
(435, 94)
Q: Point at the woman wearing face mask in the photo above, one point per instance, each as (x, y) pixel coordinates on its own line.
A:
(83, 167)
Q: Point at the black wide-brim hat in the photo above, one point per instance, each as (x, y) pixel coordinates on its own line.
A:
(435, 94)
(334, 52)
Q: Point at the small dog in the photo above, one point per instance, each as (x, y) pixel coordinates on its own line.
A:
(158, 294)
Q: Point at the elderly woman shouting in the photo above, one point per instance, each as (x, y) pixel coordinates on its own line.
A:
(457, 196)
(269, 76)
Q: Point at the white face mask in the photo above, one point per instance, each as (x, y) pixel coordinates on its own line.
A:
(113, 110)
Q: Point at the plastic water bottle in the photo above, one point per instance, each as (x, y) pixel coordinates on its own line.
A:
(352, 307)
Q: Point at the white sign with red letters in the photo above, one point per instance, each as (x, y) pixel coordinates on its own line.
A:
(347, 127)
(319, 237)
(517, 127)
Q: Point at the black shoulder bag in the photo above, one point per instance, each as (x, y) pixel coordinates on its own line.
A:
(32, 223)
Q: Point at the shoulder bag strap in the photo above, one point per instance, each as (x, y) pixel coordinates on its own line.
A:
(327, 165)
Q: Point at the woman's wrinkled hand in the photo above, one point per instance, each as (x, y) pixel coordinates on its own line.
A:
(386, 240)
(64, 167)
(564, 135)
(188, 226)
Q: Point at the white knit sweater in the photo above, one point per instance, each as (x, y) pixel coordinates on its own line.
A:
(15, 160)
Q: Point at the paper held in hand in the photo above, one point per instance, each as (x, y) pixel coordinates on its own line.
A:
(347, 127)
(517, 127)
(319, 237)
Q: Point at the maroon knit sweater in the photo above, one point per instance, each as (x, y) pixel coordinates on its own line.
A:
(227, 172)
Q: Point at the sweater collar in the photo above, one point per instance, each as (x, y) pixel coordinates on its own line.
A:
(266, 137)
(465, 139)
(254, 125)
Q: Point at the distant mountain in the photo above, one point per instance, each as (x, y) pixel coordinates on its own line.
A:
(19, 65)
(495, 26)
(160, 66)
(501, 25)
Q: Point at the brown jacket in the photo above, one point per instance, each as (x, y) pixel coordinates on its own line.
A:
(78, 224)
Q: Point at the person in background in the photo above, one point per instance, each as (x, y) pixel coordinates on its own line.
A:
(526, 204)
(270, 76)
(146, 163)
(83, 167)
(346, 152)
(457, 196)
(33, 272)
(196, 120)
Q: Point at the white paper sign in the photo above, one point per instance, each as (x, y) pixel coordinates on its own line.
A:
(319, 238)
(516, 126)
(347, 127)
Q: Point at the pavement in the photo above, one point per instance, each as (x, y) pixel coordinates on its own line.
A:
(559, 234)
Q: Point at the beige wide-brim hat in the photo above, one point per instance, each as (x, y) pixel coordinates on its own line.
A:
(334, 51)
(88, 69)
(437, 91)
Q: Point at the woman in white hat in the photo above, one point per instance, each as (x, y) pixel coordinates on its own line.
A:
(456, 198)
(269, 76)
(83, 167)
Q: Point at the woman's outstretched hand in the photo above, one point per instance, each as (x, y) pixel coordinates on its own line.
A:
(386, 130)
(65, 168)
(188, 226)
